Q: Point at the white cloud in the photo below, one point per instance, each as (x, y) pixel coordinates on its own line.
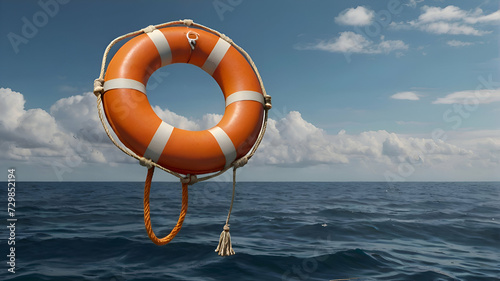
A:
(26, 133)
(405, 96)
(457, 43)
(359, 16)
(449, 13)
(478, 17)
(70, 135)
(208, 120)
(292, 141)
(453, 13)
(400, 25)
(405, 149)
(76, 112)
(470, 97)
(175, 119)
(11, 108)
(453, 28)
(347, 42)
(391, 45)
(450, 20)
(350, 42)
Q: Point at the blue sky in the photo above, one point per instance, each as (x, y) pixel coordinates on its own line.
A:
(362, 90)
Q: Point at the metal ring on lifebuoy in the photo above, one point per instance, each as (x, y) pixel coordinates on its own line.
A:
(142, 131)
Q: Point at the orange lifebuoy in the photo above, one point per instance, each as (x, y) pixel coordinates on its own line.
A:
(142, 131)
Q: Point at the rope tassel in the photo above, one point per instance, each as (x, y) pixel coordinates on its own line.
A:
(225, 248)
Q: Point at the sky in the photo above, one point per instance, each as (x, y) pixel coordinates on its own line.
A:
(397, 90)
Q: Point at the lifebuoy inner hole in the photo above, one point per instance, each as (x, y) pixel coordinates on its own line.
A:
(186, 91)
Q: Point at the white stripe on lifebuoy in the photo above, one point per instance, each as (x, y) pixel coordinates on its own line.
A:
(158, 142)
(162, 46)
(216, 56)
(245, 95)
(225, 144)
(124, 83)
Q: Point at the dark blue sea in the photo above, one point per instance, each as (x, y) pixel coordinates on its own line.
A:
(280, 231)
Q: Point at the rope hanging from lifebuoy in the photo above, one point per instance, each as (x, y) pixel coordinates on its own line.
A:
(121, 90)
(147, 219)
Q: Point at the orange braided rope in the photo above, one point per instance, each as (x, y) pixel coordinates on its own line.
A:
(147, 220)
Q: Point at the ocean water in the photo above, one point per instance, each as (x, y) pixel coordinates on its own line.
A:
(280, 231)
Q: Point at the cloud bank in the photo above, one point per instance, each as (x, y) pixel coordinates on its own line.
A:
(71, 134)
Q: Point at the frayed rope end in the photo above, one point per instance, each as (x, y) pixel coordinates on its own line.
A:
(225, 248)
